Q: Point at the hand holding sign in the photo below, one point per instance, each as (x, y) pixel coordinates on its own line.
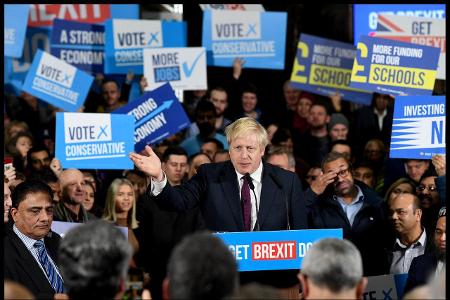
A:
(55, 166)
(439, 164)
(150, 165)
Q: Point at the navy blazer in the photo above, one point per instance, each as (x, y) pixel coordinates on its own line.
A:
(20, 265)
(215, 189)
(422, 267)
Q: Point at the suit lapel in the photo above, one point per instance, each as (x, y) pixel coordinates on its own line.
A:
(27, 262)
(268, 194)
(230, 189)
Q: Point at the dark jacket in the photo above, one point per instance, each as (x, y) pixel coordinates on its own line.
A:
(20, 265)
(422, 267)
(368, 230)
(215, 190)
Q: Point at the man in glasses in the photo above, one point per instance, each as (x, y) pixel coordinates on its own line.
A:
(352, 206)
(429, 199)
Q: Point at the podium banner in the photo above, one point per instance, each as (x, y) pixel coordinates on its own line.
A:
(274, 250)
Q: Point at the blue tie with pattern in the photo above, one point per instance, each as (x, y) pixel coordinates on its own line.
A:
(55, 279)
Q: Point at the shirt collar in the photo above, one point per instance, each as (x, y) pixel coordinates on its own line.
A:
(29, 242)
(256, 176)
(359, 197)
(420, 242)
(383, 114)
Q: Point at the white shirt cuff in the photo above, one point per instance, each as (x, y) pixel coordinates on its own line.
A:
(158, 186)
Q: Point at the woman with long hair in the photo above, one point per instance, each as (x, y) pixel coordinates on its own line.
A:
(120, 208)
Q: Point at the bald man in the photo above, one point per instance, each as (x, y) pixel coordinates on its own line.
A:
(69, 208)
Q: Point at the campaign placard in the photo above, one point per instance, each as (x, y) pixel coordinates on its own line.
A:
(126, 40)
(184, 68)
(273, 250)
(257, 37)
(40, 19)
(62, 228)
(94, 140)
(394, 67)
(418, 127)
(324, 66)
(15, 26)
(421, 31)
(389, 286)
(79, 44)
(158, 114)
(365, 16)
(57, 82)
(42, 15)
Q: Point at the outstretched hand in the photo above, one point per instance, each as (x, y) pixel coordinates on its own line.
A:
(150, 164)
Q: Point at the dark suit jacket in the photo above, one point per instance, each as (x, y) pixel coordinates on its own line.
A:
(215, 189)
(420, 270)
(20, 265)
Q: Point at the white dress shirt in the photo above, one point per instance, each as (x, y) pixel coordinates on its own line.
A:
(256, 176)
(403, 255)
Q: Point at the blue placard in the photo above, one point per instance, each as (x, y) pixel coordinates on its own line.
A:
(94, 140)
(56, 82)
(62, 228)
(394, 67)
(257, 37)
(418, 128)
(79, 44)
(274, 250)
(39, 37)
(15, 21)
(126, 39)
(365, 15)
(158, 114)
(324, 66)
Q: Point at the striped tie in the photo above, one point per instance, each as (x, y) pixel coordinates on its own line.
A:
(53, 276)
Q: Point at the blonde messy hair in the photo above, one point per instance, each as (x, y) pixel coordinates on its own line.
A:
(245, 126)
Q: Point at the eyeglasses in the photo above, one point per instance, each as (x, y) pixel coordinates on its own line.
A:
(430, 188)
(343, 173)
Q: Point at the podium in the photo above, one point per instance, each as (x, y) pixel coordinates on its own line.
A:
(274, 250)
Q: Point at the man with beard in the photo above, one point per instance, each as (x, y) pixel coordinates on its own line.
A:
(69, 208)
(205, 118)
(431, 264)
(429, 199)
(354, 207)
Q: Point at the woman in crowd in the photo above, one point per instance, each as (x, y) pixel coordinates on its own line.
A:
(120, 208)
(89, 201)
(18, 147)
(400, 186)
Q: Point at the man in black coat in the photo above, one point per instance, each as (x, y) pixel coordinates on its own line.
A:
(242, 194)
(276, 204)
(425, 266)
(353, 206)
(32, 212)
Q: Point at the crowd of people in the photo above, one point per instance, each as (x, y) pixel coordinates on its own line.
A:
(333, 153)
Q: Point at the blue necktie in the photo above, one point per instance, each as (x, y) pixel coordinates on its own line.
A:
(55, 279)
(246, 204)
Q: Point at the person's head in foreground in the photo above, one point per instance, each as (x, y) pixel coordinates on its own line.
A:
(94, 261)
(332, 269)
(200, 267)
